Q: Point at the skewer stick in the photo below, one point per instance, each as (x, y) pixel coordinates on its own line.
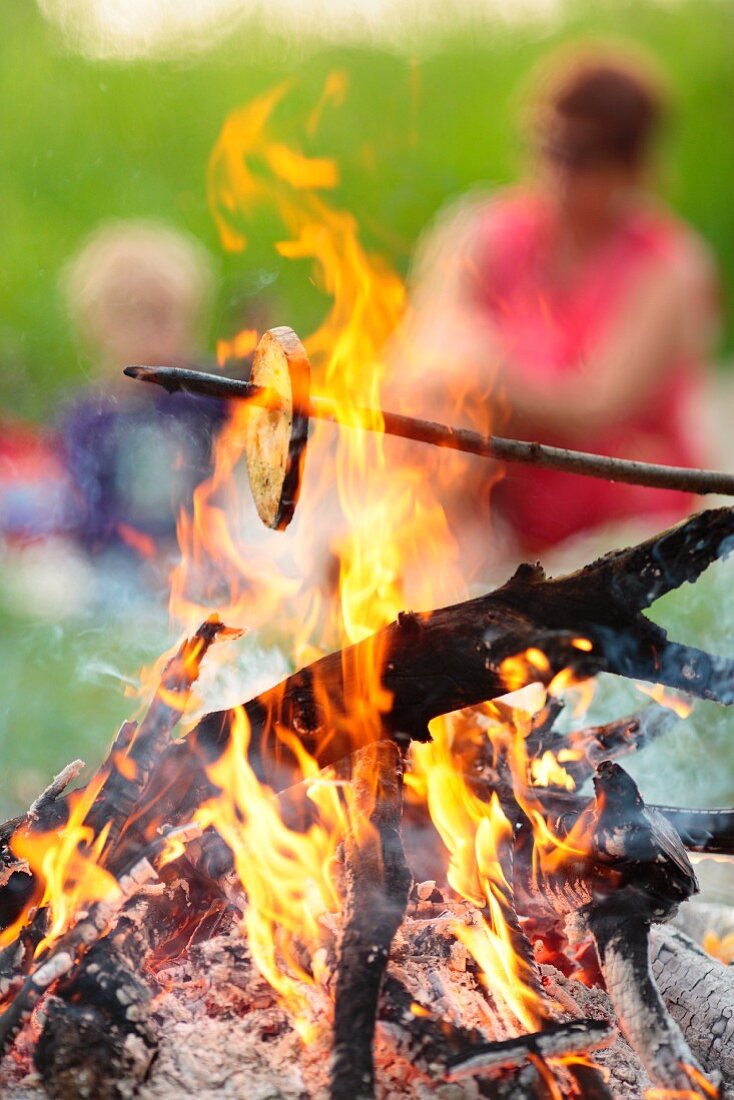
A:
(630, 471)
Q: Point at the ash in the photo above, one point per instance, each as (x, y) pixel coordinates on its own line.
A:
(222, 1033)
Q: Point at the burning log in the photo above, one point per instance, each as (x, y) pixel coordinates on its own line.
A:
(137, 749)
(119, 781)
(631, 871)
(98, 1038)
(443, 1049)
(615, 854)
(460, 656)
(433, 663)
(378, 880)
(605, 742)
(70, 948)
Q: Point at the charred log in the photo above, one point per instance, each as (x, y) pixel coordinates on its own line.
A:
(437, 662)
(97, 1040)
(378, 881)
(141, 746)
(441, 1049)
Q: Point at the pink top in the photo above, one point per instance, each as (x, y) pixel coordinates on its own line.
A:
(551, 332)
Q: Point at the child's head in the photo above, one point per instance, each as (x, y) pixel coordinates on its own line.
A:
(138, 292)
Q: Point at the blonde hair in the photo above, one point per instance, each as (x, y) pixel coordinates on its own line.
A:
(123, 264)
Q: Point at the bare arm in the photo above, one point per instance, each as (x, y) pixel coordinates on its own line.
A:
(666, 316)
(451, 361)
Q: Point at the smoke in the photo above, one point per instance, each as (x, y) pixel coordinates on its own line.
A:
(111, 29)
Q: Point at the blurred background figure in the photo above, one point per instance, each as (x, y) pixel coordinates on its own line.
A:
(34, 492)
(574, 309)
(137, 292)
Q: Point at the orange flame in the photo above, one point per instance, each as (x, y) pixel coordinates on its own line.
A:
(380, 523)
(666, 698)
(701, 1087)
(478, 837)
(288, 876)
(66, 866)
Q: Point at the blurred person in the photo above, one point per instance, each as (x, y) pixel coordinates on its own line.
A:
(34, 492)
(573, 309)
(138, 292)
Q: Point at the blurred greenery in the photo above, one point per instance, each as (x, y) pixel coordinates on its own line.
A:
(84, 141)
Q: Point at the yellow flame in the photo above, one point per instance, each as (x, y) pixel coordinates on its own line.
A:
(66, 866)
(478, 837)
(379, 520)
(546, 771)
(721, 947)
(288, 876)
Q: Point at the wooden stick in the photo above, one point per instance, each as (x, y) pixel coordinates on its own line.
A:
(629, 471)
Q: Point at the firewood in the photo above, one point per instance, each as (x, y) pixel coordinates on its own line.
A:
(64, 954)
(647, 876)
(143, 745)
(440, 661)
(698, 991)
(119, 787)
(606, 742)
(378, 880)
(98, 1037)
(52, 812)
(441, 1049)
(430, 664)
(710, 831)
(68, 950)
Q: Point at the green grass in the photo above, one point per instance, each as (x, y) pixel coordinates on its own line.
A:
(85, 141)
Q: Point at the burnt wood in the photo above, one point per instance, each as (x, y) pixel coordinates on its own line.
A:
(378, 881)
(432, 663)
(502, 1069)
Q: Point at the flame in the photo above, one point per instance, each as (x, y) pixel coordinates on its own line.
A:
(289, 876)
(379, 521)
(239, 347)
(478, 837)
(672, 700)
(376, 520)
(546, 771)
(721, 947)
(66, 866)
(546, 1074)
(137, 540)
(702, 1087)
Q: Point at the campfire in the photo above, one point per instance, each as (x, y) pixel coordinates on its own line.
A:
(513, 972)
(383, 876)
